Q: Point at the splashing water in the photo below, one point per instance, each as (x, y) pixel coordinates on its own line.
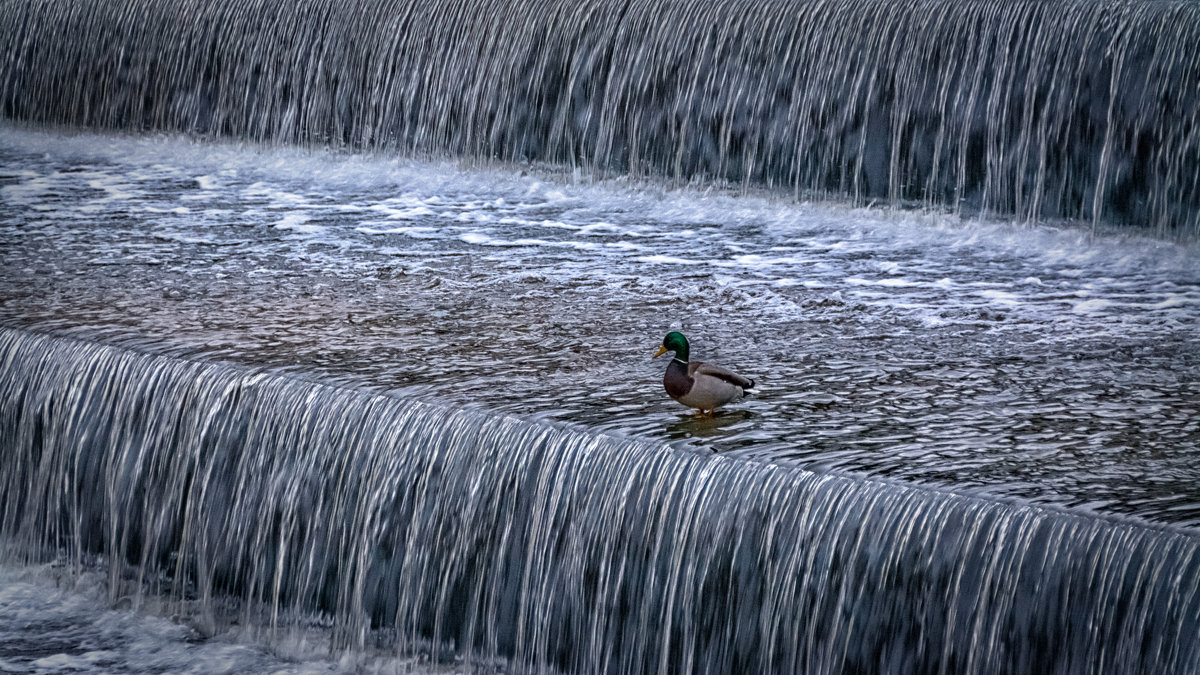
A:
(247, 385)
(1079, 109)
(554, 547)
(1030, 362)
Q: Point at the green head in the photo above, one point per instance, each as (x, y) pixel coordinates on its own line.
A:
(674, 342)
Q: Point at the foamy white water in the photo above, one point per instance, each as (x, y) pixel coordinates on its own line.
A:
(52, 621)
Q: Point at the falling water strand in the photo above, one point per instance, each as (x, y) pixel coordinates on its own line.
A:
(488, 536)
(1085, 109)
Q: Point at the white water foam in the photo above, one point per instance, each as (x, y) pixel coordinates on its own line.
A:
(52, 621)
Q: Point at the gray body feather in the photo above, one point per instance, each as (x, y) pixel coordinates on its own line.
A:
(704, 385)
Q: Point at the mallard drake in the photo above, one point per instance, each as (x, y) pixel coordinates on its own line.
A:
(697, 384)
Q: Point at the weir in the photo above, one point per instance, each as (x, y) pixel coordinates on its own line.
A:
(552, 547)
(1080, 109)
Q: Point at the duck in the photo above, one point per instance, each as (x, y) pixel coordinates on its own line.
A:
(697, 384)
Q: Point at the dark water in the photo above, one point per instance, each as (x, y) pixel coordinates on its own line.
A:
(391, 394)
(1021, 360)
(554, 547)
(1080, 109)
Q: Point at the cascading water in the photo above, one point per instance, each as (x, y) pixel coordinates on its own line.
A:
(1078, 109)
(554, 547)
(974, 445)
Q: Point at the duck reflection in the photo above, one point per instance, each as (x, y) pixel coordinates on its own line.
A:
(690, 425)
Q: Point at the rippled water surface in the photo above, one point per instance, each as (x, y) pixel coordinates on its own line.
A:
(1019, 360)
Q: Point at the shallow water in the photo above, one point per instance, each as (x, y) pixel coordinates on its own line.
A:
(1017, 360)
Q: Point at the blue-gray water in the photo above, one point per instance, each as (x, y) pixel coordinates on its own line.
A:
(55, 621)
(337, 408)
(1030, 362)
(984, 359)
(1077, 108)
(553, 547)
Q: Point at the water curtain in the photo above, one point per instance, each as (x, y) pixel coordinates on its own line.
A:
(1085, 109)
(489, 536)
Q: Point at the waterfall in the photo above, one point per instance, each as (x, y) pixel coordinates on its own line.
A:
(1081, 109)
(552, 547)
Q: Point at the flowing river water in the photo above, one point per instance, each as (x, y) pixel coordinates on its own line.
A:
(1024, 361)
(325, 336)
(996, 368)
